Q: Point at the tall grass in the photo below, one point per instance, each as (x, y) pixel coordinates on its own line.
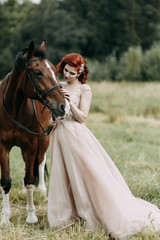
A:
(126, 100)
(125, 119)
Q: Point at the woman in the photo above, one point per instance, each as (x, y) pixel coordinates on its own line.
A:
(84, 180)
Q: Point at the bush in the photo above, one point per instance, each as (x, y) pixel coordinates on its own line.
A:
(104, 70)
(151, 64)
(97, 70)
(127, 68)
(129, 65)
(133, 60)
(133, 65)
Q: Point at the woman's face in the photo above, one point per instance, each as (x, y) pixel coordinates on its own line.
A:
(70, 73)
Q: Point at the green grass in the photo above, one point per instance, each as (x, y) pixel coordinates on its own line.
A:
(125, 119)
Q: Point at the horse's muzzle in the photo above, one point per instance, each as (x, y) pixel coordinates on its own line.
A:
(63, 110)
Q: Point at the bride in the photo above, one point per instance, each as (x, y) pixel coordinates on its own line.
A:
(84, 182)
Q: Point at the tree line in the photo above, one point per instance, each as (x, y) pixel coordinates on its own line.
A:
(95, 29)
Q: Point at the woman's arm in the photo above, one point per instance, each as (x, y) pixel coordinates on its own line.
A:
(81, 113)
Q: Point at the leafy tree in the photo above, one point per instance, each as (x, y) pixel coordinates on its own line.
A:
(95, 29)
(148, 16)
(8, 34)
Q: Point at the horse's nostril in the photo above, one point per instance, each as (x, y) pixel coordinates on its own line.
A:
(62, 107)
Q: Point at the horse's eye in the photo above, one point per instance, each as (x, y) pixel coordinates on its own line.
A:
(38, 74)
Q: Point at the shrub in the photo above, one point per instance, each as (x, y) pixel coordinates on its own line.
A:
(151, 63)
(127, 68)
(133, 60)
(97, 70)
(134, 65)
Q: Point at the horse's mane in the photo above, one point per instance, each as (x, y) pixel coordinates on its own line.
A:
(37, 53)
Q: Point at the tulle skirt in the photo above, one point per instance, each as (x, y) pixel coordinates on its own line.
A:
(86, 183)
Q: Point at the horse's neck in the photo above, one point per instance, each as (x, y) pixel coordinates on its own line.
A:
(17, 103)
(14, 96)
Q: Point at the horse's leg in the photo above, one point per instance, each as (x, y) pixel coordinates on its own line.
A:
(41, 158)
(31, 218)
(5, 184)
(29, 158)
(41, 184)
(6, 212)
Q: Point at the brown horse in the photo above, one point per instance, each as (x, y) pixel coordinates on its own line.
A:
(24, 122)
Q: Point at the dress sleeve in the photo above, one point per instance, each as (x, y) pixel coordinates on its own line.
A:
(80, 113)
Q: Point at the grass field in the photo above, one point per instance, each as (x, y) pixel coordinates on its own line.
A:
(125, 117)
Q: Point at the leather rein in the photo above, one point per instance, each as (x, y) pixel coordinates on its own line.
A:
(41, 95)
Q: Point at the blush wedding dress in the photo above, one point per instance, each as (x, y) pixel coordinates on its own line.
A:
(86, 183)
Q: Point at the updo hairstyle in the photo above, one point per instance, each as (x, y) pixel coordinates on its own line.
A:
(77, 61)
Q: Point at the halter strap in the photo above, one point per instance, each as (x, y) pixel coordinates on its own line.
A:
(51, 90)
(40, 93)
(33, 60)
(46, 132)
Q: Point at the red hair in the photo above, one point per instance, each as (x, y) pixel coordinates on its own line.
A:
(74, 60)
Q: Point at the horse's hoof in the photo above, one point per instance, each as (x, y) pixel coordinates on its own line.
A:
(31, 218)
(5, 216)
(5, 222)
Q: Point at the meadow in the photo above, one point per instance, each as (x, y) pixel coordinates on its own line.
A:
(125, 117)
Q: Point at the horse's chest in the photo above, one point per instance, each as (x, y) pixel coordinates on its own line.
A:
(10, 139)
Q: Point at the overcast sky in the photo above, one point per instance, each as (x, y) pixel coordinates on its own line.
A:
(34, 1)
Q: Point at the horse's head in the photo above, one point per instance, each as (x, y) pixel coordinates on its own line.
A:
(40, 81)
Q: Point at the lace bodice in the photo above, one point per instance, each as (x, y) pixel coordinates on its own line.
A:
(75, 97)
(80, 101)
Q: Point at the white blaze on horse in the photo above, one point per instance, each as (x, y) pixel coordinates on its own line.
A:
(24, 122)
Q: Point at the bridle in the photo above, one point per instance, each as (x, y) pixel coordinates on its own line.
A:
(40, 93)
(41, 96)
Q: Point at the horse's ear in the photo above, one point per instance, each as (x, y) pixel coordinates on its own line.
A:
(43, 46)
(31, 50)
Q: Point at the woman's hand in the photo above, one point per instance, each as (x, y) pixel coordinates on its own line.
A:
(66, 94)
